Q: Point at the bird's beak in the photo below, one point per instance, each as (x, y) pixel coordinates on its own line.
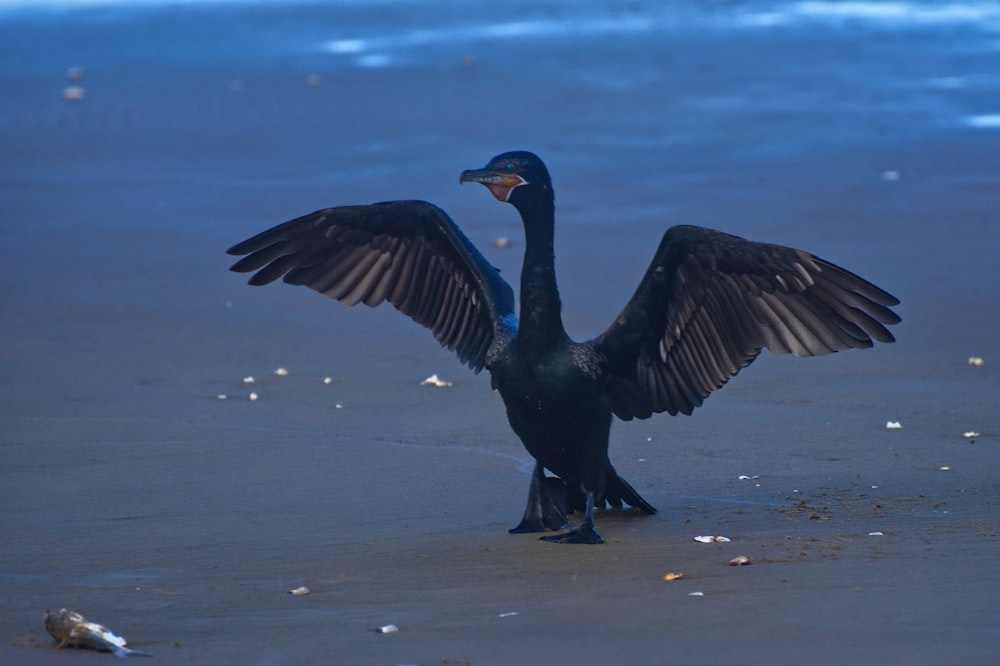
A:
(499, 184)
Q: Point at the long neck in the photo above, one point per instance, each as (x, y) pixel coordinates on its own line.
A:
(541, 309)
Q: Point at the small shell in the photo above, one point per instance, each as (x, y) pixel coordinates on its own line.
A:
(945, 468)
(338, 406)
(696, 593)
(299, 591)
(281, 372)
(712, 539)
(893, 425)
(436, 381)
(74, 93)
(976, 361)
(248, 380)
(253, 396)
(970, 435)
(387, 629)
(509, 614)
(740, 561)
(673, 576)
(501, 242)
(328, 380)
(876, 534)
(221, 396)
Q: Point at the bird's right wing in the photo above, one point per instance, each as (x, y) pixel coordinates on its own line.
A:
(710, 302)
(409, 253)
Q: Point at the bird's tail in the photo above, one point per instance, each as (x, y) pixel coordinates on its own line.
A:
(618, 490)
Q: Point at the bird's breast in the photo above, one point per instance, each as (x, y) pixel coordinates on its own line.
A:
(549, 396)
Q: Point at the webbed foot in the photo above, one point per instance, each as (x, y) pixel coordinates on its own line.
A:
(583, 534)
(546, 510)
(528, 526)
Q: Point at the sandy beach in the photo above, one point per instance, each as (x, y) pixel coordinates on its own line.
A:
(132, 493)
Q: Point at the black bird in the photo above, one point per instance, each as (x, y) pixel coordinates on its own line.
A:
(705, 308)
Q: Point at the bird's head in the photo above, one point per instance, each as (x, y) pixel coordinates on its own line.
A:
(515, 177)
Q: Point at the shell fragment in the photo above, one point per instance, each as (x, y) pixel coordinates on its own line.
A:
(436, 381)
(74, 93)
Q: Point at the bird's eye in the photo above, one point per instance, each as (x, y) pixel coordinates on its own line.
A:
(509, 168)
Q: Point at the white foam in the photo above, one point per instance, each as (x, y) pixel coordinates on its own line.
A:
(469, 32)
(374, 60)
(894, 14)
(590, 17)
(346, 46)
(990, 120)
(901, 12)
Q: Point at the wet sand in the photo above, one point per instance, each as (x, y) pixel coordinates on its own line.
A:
(132, 494)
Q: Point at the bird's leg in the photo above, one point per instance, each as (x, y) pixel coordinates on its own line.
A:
(546, 510)
(585, 533)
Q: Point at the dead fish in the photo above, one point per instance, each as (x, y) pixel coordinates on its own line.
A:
(73, 630)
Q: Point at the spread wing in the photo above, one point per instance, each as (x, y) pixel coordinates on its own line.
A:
(409, 253)
(710, 302)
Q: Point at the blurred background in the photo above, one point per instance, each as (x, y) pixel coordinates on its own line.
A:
(139, 140)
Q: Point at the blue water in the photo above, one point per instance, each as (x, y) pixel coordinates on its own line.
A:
(959, 59)
(685, 86)
(967, 28)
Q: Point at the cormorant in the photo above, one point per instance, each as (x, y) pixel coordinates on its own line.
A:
(704, 309)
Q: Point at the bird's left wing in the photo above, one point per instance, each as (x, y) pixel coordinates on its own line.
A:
(710, 302)
(409, 253)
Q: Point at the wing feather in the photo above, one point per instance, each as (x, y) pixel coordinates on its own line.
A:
(710, 302)
(409, 253)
